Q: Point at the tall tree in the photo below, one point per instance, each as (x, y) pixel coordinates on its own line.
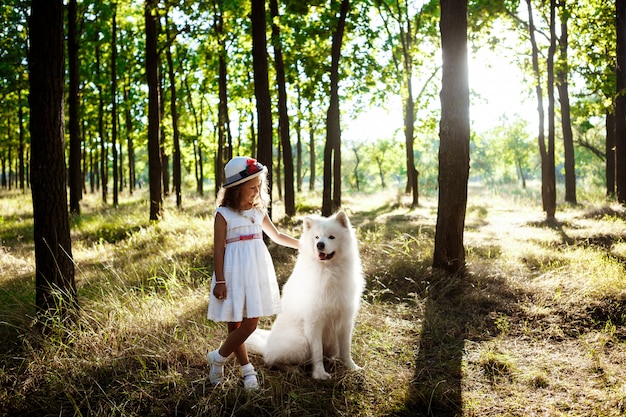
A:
(283, 117)
(116, 177)
(75, 175)
(609, 150)
(548, 190)
(551, 171)
(54, 275)
(454, 135)
(261, 86)
(331, 195)
(224, 137)
(154, 141)
(104, 168)
(130, 146)
(566, 122)
(411, 27)
(620, 103)
(174, 113)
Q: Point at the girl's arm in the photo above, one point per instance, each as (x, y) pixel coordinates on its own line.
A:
(219, 246)
(278, 237)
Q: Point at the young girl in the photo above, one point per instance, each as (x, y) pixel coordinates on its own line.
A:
(244, 284)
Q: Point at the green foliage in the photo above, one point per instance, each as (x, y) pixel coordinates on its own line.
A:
(506, 154)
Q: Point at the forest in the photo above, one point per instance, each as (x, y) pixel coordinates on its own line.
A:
(492, 240)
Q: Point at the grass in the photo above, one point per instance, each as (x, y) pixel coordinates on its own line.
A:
(534, 326)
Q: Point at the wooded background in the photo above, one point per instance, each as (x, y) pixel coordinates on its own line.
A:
(162, 94)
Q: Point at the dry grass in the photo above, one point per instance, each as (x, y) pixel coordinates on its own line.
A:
(535, 326)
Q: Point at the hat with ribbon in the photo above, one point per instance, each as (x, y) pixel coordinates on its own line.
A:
(241, 169)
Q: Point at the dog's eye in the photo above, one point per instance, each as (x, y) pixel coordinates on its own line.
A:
(317, 237)
(331, 237)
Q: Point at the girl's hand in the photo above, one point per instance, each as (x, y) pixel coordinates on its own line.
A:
(220, 291)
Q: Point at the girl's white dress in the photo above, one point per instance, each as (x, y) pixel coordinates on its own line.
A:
(252, 289)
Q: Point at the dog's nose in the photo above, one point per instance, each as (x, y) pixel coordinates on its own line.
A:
(320, 245)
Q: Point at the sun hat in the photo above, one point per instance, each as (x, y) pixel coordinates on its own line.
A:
(241, 169)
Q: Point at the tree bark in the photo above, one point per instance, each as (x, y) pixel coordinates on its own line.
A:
(331, 196)
(620, 103)
(454, 134)
(116, 177)
(197, 146)
(54, 275)
(75, 176)
(176, 134)
(566, 122)
(165, 160)
(545, 189)
(551, 171)
(283, 117)
(104, 167)
(262, 88)
(20, 117)
(225, 148)
(312, 153)
(130, 147)
(154, 145)
(610, 153)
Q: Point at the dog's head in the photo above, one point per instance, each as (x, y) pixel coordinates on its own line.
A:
(326, 237)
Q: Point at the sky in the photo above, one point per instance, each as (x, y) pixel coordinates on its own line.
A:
(497, 90)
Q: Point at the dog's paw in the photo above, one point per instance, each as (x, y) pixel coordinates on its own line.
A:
(355, 368)
(323, 375)
(350, 365)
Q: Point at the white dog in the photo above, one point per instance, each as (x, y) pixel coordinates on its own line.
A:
(320, 300)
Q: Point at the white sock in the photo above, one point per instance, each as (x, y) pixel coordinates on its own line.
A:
(219, 358)
(247, 369)
(218, 364)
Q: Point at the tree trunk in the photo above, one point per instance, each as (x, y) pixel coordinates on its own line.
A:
(262, 88)
(299, 140)
(114, 109)
(312, 153)
(331, 196)
(541, 135)
(610, 153)
(620, 103)
(551, 171)
(176, 133)
(566, 123)
(20, 116)
(283, 117)
(197, 147)
(75, 176)
(224, 148)
(454, 134)
(54, 274)
(165, 162)
(154, 145)
(104, 168)
(409, 134)
(130, 147)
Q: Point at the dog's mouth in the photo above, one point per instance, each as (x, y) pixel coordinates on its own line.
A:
(323, 256)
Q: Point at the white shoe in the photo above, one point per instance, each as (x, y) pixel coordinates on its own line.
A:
(250, 381)
(216, 375)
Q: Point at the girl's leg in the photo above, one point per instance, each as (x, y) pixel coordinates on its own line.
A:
(240, 351)
(237, 335)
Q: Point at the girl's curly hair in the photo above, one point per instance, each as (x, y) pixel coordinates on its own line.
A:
(231, 197)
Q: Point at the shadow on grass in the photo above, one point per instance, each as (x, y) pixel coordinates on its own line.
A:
(459, 307)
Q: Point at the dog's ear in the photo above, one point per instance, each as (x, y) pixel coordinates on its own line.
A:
(342, 218)
(307, 222)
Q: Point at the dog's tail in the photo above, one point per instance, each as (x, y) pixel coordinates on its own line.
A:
(257, 341)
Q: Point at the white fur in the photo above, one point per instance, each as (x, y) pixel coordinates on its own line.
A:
(320, 300)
